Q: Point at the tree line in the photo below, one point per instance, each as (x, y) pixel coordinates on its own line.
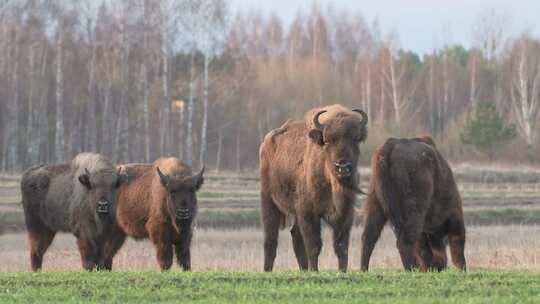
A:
(138, 79)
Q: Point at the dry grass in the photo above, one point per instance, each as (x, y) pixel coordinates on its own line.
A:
(495, 247)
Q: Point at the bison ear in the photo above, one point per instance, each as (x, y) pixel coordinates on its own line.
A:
(165, 179)
(199, 179)
(316, 136)
(121, 179)
(84, 179)
(199, 183)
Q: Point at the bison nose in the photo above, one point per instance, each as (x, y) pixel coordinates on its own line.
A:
(103, 206)
(343, 167)
(183, 214)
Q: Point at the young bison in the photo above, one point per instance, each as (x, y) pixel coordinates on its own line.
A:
(159, 203)
(77, 198)
(413, 186)
(309, 172)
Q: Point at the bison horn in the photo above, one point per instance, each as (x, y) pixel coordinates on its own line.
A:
(198, 179)
(363, 114)
(316, 122)
(164, 178)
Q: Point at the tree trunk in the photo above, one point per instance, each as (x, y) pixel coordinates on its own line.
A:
(190, 110)
(165, 119)
(237, 151)
(395, 92)
(219, 150)
(204, 128)
(59, 109)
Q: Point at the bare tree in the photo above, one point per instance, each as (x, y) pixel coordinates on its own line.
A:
(525, 90)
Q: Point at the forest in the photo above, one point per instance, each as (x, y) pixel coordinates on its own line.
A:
(140, 79)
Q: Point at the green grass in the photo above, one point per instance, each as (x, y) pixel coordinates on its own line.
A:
(287, 287)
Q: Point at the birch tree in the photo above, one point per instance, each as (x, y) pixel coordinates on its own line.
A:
(525, 87)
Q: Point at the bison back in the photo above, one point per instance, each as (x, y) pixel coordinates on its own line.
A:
(405, 172)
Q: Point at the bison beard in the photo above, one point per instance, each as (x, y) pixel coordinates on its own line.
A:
(308, 172)
(413, 186)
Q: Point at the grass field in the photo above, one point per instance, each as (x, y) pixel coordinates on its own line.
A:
(284, 287)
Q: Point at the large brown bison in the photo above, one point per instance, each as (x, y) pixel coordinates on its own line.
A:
(308, 172)
(77, 198)
(412, 185)
(159, 203)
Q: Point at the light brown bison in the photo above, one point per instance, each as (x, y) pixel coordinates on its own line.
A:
(159, 203)
(412, 185)
(308, 172)
(77, 198)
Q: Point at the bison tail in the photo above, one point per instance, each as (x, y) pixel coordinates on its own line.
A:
(389, 188)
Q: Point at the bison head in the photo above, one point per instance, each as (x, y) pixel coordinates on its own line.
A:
(101, 189)
(339, 140)
(181, 198)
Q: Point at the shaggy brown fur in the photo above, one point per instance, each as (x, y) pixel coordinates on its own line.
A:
(308, 172)
(412, 185)
(77, 198)
(158, 203)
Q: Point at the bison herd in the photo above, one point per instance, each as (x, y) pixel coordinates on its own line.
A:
(308, 173)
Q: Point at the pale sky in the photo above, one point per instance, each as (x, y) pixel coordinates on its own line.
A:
(420, 24)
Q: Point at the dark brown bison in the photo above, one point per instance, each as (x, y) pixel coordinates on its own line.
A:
(159, 203)
(308, 172)
(412, 185)
(77, 198)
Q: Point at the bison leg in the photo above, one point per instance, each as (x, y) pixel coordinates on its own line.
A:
(89, 252)
(299, 248)
(438, 249)
(271, 219)
(39, 243)
(183, 251)
(456, 240)
(407, 241)
(342, 235)
(164, 251)
(374, 221)
(424, 254)
(310, 227)
(110, 249)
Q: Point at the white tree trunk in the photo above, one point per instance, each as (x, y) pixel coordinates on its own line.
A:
(368, 92)
(395, 90)
(190, 110)
(219, 150)
(204, 128)
(165, 126)
(472, 94)
(433, 111)
(59, 105)
(525, 105)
